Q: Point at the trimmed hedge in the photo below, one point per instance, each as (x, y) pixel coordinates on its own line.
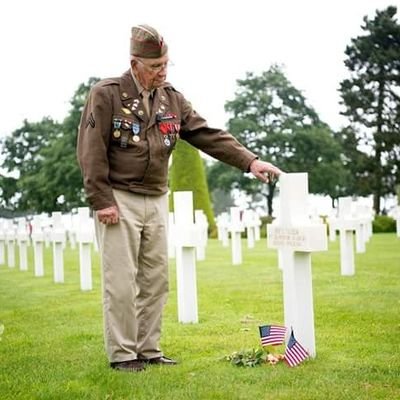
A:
(383, 224)
(187, 172)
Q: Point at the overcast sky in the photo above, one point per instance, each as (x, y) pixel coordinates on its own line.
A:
(49, 47)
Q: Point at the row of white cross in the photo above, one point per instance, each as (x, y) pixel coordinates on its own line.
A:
(43, 231)
(350, 219)
(234, 224)
(293, 234)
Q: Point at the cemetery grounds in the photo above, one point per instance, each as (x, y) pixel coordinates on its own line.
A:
(52, 344)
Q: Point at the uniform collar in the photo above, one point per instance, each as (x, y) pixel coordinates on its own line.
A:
(132, 100)
(140, 87)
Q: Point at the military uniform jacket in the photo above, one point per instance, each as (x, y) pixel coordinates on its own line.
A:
(120, 146)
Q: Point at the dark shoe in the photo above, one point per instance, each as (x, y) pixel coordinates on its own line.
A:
(159, 360)
(129, 366)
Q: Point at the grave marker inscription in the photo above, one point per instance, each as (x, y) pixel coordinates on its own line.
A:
(296, 237)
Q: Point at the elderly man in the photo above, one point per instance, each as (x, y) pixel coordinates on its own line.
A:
(129, 127)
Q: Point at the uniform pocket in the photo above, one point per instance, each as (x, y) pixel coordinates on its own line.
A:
(128, 154)
(128, 164)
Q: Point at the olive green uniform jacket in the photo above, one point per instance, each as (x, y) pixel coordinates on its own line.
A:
(121, 147)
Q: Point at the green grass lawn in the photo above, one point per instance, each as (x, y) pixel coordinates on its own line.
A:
(52, 345)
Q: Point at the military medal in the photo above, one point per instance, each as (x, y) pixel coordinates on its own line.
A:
(135, 128)
(168, 128)
(117, 126)
(126, 124)
(135, 131)
(126, 110)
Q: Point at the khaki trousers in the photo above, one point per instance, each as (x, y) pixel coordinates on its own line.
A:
(134, 262)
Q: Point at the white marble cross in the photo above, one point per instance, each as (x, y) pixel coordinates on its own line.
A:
(85, 237)
(346, 225)
(10, 238)
(363, 215)
(201, 222)
(358, 218)
(38, 240)
(332, 221)
(23, 239)
(187, 238)
(250, 224)
(47, 231)
(2, 242)
(258, 223)
(58, 239)
(223, 228)
(72, 230)
(296, 237)
(236, 228)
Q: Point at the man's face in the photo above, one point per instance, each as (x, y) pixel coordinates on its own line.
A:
(151, 72)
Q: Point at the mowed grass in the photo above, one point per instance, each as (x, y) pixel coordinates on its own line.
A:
(52, 345)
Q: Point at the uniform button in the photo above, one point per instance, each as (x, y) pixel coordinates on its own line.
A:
(124, 95)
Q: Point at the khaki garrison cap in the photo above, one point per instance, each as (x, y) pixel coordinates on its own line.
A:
(146, 42)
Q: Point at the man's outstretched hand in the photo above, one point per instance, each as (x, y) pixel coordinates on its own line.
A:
(264, 171)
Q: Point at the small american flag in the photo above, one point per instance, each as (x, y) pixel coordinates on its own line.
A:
(272, 335)
(295, 353)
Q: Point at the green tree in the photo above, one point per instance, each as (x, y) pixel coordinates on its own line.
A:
(8, 188)
(221, 201)
(23, 160)
(315, 150)
(222, 179)
(272, 118)
(42, 174)
(356, 164)
(219, 183)
(371, 100)
(187, 172)
(60, 169)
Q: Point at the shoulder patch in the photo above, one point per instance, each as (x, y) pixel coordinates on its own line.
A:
(90, 121)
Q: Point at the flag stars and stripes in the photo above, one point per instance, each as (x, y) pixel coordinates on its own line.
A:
(295, 353)
(272, 335)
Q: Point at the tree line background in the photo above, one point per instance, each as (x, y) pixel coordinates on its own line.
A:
(268, 114)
